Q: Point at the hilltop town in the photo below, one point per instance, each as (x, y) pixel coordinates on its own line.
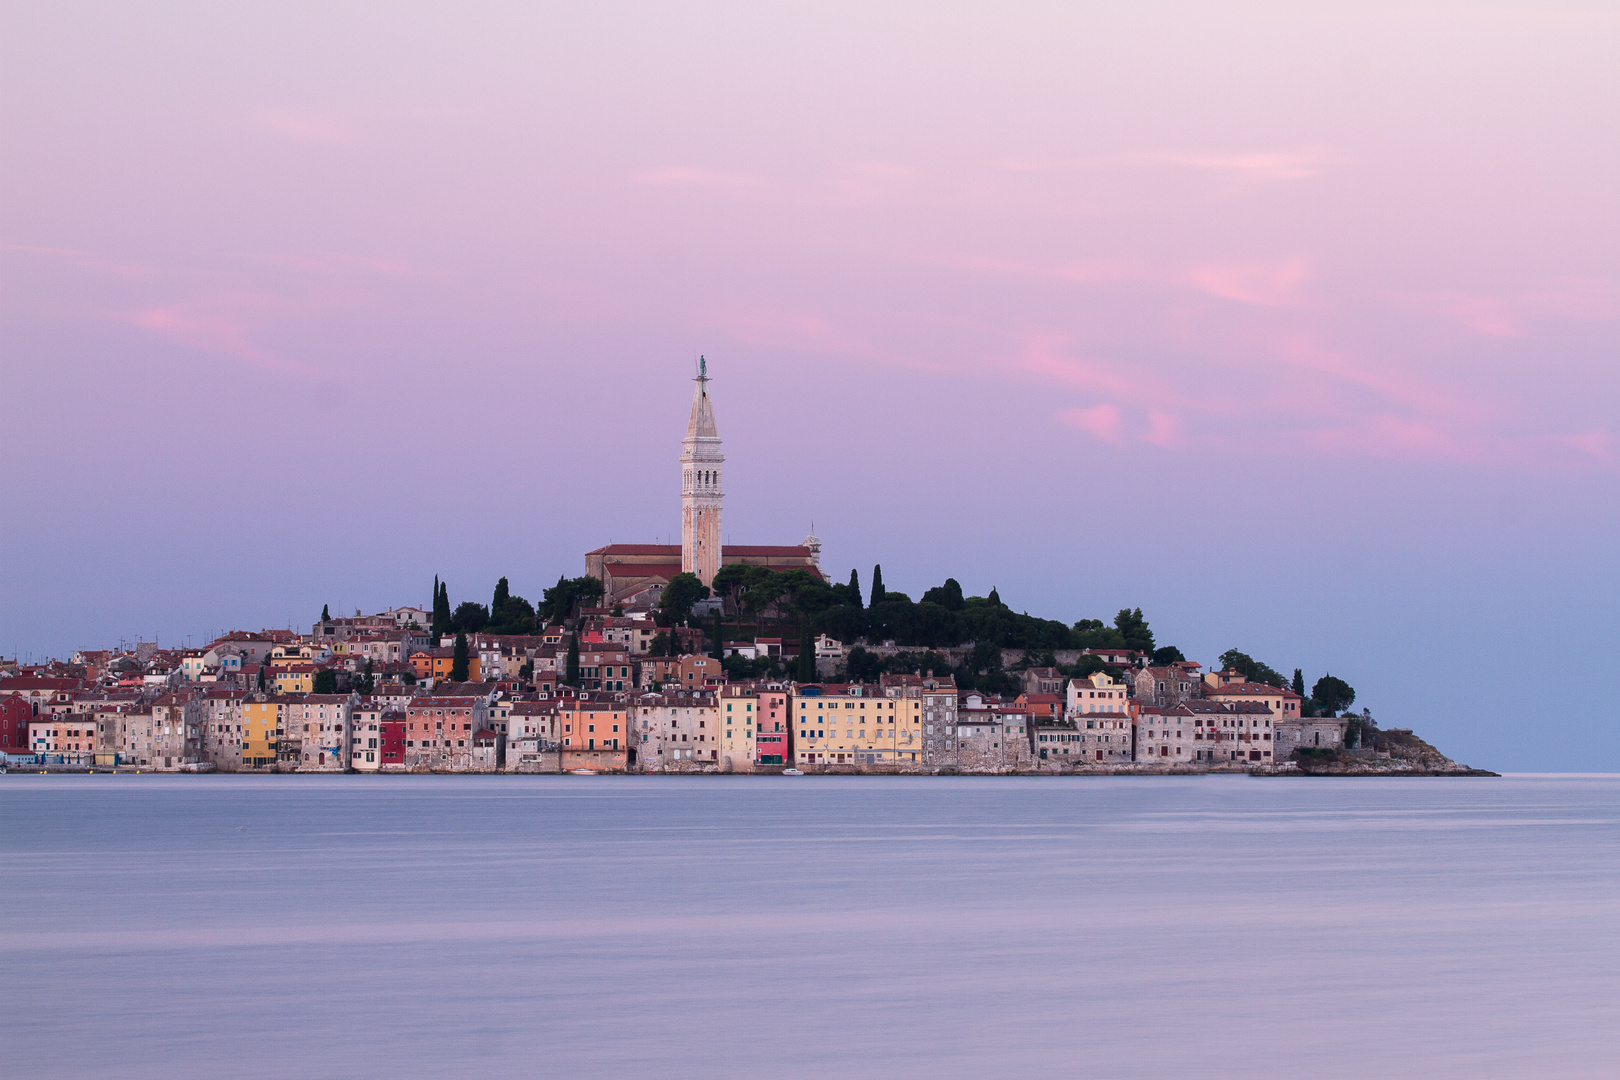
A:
(694, 657)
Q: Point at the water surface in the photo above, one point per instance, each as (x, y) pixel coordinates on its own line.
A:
(840, 927)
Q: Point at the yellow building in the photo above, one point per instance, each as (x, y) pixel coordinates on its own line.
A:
(296, 679)
(261, 723)
(858, 723)
(737, 727)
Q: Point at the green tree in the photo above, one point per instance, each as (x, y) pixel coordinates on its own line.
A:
(680, 594)
(845, 622)
(502, 593)
(515, 616)
(729, 582)
(571, 665)
(368, 683)
(877, 585)
(862, 666)
(852, 591)
(719, 652)
(994, 598)
(1306, 706)
(1331, 694)
(326, 615)
(659, 646)
(326, 681)
(807, 654)
(1134, 629)
(563, 600)
(441, 610)
(460, 662)
(764, 588)
(1167, 654)
(470, 617)
(947, 596)
(1251, 669)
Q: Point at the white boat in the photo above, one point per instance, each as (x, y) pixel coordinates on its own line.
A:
(582, 772)
(791, 772)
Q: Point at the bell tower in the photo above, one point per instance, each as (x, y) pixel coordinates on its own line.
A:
(700, 485)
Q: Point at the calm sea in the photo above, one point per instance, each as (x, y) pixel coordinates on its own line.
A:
(803, 927)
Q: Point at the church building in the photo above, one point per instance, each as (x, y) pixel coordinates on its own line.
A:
(637, 573)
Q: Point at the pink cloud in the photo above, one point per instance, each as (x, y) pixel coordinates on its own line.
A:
(1102, 422)
(1163, 429)
(217, 331)
(1264, 284)
(688, 176)
(1598, 444)
(1272, 165)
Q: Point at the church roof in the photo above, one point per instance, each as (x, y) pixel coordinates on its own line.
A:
(701, 425)
(742, 551)
(624, 570)
(638, 549)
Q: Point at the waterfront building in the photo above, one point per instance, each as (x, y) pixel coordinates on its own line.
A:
(69, 739)
(736, 719)
(222, 727)
(595, 722)
(365, 734)
(1057, 742)
(856, 724)
(318, 725)
(675, 731)
(1175, 734)
(439, 732)
(774, 739)
(261, 731)
(391, 741)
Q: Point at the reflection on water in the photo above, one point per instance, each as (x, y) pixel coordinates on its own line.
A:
(860, 926)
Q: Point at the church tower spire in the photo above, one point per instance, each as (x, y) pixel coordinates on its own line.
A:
(700, 485)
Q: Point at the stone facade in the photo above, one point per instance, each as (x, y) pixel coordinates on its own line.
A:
(701, 492)
(674, 732)
(439, 732)
(320, 726)
(1315, 733)
(1056, 744)
(1166, 685)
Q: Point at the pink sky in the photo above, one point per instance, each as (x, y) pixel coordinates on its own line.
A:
(1049, 276)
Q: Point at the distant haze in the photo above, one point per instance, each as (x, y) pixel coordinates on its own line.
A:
(1296, 329)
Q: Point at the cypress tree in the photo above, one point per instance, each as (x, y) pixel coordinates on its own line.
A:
(1299, 682)
(441, 608)
(994, 597)
(502, 594)
(807, 655)
(855, 588)
(877, 585)
(326, 614)
(571, 671)
(719, 642)
(460, 662)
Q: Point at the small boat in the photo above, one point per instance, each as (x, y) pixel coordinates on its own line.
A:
(791, 772)
(581, 772)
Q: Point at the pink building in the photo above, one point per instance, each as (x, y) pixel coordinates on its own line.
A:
(773, 741)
